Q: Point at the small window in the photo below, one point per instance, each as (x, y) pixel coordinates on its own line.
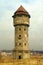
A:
(24, 29)
(19, 28)
(25, 44)
(19, 43)
(19, 35)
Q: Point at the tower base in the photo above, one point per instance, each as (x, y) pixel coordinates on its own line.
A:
(21, 54)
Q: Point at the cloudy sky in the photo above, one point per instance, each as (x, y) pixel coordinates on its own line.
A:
(35, 8)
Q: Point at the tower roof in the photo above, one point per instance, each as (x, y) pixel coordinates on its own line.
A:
(21, 11)
(21, 8)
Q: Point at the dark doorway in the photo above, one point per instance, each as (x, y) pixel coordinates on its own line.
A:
(20, 57)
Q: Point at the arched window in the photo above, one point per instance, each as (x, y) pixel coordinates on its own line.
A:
(19, 37)
(25, 44)
(20, 29)
(19, 43)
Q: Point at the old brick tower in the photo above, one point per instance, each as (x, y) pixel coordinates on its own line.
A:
(21, 23)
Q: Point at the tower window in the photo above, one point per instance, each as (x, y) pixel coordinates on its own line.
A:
(19, 43)
(19, 35)
(19, 28)
(24, 29)
(25, 44)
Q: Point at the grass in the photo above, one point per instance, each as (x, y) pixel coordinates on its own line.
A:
(32, 61)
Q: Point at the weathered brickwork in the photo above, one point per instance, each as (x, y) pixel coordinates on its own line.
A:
(21, 23)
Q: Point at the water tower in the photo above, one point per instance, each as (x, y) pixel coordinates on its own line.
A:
(21, 22)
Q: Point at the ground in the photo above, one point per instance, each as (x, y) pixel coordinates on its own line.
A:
(33, 60)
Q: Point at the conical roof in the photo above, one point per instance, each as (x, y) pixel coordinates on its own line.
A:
(21, 8)
(21, 11)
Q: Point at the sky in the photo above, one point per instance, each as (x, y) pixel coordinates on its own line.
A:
(35, 9)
